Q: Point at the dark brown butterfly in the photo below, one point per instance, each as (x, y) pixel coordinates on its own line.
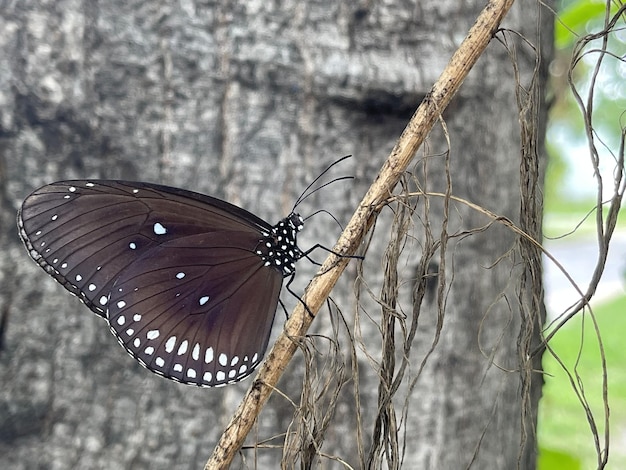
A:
(188, 284)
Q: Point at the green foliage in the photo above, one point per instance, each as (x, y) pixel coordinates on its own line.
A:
(573, 19)
(550, 459)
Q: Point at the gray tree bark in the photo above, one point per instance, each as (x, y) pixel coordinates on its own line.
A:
(249, 101)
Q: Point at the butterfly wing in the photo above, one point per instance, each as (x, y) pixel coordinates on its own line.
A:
(85, 233)
(178, 275)
(197, 315)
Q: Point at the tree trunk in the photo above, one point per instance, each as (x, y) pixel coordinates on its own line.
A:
(249, 102)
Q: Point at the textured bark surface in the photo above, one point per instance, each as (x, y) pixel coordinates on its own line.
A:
(249, 102)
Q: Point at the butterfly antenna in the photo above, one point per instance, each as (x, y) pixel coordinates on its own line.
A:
(326, 212)
(304, 194)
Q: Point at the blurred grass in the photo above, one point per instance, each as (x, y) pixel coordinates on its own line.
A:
(565, 438)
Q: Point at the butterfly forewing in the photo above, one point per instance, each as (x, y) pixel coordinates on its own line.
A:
(85, 233)
(188, 283)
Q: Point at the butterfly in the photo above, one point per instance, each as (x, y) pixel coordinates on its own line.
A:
(189, 284)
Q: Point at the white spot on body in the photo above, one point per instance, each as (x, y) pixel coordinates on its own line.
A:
(183, 348)
(153, 334)
(204, 300)
(159, 229)
(159, 361)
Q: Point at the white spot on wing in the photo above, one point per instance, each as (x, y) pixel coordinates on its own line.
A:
(153, 334)
(208, 355)
(223, 359)
(71, 189)
(136, 317)
(132, 245)
(191, 373)
(183, 348)
(196, 352)
(121, 320)
(79, 278)
(232, 373)
(159, 361)
(130, 332)
(137, 342)
(91, 287)
(169, 345)
(178, 367)
(203, 300)
(159, 229)
(149, 350)
(220, 375)
(120, 304)
(243, 368)
(207, 377)
(103, 300)
(180, 275)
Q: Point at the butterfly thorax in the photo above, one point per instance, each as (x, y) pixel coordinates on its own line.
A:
(278, 248)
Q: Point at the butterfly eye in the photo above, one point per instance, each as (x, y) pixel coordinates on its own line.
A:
(188, 284)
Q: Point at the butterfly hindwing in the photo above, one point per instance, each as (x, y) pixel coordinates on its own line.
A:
(183, 309)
